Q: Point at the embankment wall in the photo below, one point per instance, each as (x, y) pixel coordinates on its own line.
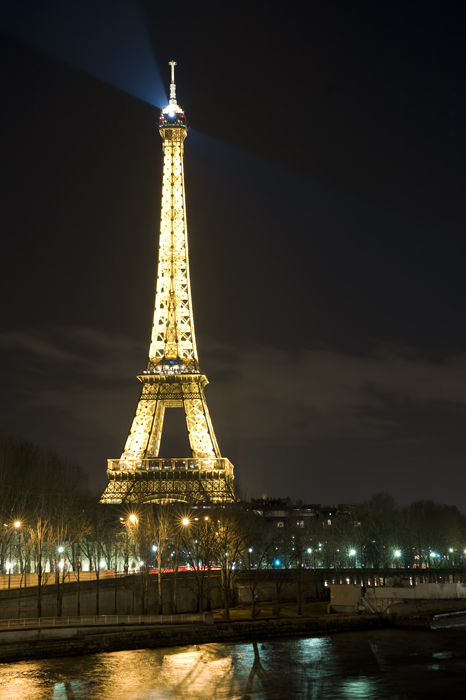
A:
(79, 641)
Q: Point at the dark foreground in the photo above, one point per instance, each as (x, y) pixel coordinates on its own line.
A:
(375, 664)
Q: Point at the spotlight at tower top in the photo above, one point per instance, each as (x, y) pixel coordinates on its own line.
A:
(106, 39)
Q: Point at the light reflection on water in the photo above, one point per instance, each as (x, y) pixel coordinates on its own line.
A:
(382, 665)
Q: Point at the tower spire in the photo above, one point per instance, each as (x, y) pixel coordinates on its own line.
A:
(172, 84)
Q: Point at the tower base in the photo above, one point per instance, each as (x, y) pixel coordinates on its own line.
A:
(169, 480)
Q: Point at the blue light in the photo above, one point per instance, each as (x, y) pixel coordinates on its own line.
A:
(107, 39)
(277, 562)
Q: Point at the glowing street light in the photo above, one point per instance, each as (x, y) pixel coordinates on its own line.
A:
(133, 518)
(185, 521)
(17, 524)
(397, 553)
(352, 552)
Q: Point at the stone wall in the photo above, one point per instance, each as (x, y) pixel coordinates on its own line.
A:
(79, 642)
(425, 597)
(124, 595)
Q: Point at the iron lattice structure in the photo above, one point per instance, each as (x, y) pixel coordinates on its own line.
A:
(172, 378)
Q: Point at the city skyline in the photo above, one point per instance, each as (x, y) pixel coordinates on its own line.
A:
(324, 187)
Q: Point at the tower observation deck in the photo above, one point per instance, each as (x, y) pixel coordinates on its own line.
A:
(172, 378)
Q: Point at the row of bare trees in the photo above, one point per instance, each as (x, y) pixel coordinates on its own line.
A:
(51, 522)
(46, 511)
(379, 534)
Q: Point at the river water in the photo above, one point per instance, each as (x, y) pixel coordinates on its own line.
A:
(383, 664)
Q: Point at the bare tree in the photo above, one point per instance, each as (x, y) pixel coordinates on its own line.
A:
(41, 535)
(229, 547)
(198, 537)
(258, 544)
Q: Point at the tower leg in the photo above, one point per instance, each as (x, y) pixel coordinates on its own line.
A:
(156, 434)
(200, 431)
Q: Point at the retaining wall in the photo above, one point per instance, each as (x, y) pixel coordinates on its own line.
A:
(78, 641)
(124, 595)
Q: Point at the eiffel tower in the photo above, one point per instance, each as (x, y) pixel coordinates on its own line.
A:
(172, 378)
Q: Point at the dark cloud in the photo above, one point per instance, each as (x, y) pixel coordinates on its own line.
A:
(323, 393)
(268, 405)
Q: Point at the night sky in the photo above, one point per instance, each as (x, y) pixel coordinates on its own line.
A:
(325, 186)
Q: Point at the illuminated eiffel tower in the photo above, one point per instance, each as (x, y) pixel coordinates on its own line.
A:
(172, 378)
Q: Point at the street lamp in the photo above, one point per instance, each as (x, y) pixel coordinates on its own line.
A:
(17, 525)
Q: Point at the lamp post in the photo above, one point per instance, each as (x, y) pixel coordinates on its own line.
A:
(132, 525)
(186, 522)
(17, 526)
(125, 531)
(60, 562)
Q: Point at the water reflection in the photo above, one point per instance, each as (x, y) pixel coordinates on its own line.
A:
(354, 666)
(361, 688)
(70, 690)
(257, 670)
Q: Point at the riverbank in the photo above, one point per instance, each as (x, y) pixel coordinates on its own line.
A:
(20, 645)
(68, 640)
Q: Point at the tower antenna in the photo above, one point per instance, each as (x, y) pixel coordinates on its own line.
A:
(172, 84)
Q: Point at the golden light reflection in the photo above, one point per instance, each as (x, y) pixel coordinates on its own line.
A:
(338, 666)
